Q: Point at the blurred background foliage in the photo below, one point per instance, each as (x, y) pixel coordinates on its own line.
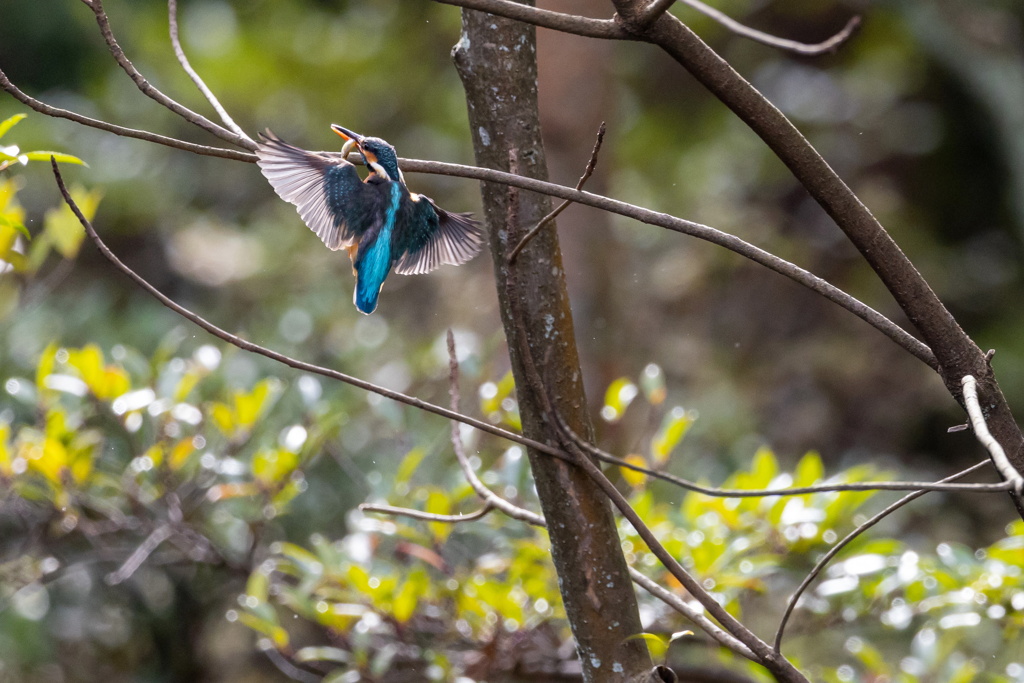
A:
(248, 473)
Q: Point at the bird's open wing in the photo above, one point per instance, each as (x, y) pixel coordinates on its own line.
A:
(324, 187)
(435, 237)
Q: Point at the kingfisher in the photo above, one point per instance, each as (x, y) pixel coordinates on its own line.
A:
(377, 220)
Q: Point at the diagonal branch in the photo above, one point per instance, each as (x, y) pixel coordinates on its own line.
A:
(823, 562)
(810, 50)
(246, 345)
(587, 172)
(703, 232)
(974, 411)
(706, 233)
(153, 93)
(765, 656)
(59, 113)
(956, 353)
(558, 21)
(172, 20)
(426, 516)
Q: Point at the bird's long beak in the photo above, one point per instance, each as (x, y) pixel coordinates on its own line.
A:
(347, 134)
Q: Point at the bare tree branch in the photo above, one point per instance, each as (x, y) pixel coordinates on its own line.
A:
(246, 345)
(587, 172)
(974, 411)
(830, 45)
(823, 562)
(703, 232)
(488, 496)
(567, 23)
(145, 549)
(153, 93)
(957, 354)
(773, 661)
(426, 516)
(57, 112)
(604, 456)
(172, 19)
(692, 613)
(655, 10)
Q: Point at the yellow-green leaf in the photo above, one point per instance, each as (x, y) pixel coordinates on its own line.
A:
(673, 429)
(632, 477)
(438, 503)
(9, 123)
(409, 465)
(617, 398)
(45, 366)
(61, 157)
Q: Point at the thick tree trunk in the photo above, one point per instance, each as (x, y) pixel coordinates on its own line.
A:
(496, 59)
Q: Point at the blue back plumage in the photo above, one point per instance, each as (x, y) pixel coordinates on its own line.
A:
(374, 262)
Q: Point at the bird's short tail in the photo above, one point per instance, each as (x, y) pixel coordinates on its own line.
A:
(366, 295)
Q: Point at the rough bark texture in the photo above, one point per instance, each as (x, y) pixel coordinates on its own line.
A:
(496, 59)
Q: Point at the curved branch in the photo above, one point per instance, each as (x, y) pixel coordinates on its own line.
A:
(985, 437)
(179, 52)
(810, 50)
(426, 516)
(558, 21)
(703, 232)
(155, 94)
(706, 233)
(695, 615)
(823, 562)
(956, 353)
(57, 112)
(246, 345)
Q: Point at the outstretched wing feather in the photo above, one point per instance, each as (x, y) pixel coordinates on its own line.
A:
(441, 238)
(322, 186)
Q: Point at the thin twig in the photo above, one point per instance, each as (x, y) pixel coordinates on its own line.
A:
(604, 456)
(702, 232)
(694, 614)
(155, 94)
(486, 494)
(285, 665)
(731, 242)
(672, 600)
(172, 18)
(246, 345)
(823, 562)
(985, 437)
(655, 10)
(830, 45)
(145, 549)
(764, 654)
(427, 516)
(558, 21)
(561, 207)
(57, 112)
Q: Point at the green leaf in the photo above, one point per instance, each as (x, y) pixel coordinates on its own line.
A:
(673, 429)
(409, 464)
(438, 503)
(809, 470)
(258, 585)
(617, 398)
(9, 123)
(63, 229)
(404, 604)
(657, 645)
(59, 156)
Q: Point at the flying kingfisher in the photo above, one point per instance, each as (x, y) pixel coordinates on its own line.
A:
(377, 220)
